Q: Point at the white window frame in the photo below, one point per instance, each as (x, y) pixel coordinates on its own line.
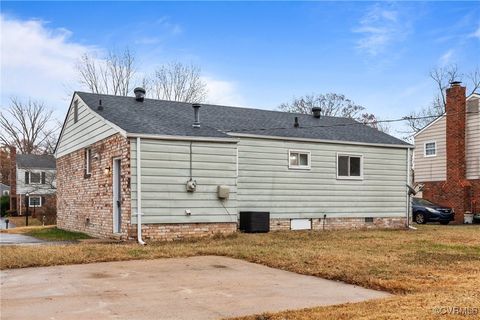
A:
(357, 155)
(30, 201)
(30, 173)
(300, 167)
(88, 161)
(425, 149)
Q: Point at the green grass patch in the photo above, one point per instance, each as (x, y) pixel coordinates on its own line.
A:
(55, 234)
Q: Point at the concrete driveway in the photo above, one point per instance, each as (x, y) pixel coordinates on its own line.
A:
(198, 288)
(12, 238)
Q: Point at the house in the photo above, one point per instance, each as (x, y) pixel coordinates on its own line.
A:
(32, 183)
(189, 170)
(4, 190)
(447, 154)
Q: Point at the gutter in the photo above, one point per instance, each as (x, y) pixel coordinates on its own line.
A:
(267, 137)
(139, 195)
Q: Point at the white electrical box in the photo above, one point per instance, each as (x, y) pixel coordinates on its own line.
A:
(300, 224)
(223, 192)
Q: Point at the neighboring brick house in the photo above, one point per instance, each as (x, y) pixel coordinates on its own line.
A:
(447, 154)
(119, 156)
(35, 176)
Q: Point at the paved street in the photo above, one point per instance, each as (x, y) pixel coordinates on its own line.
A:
(207, 287)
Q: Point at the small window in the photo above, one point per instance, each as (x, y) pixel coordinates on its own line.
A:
(88, 162)
(34, 201)
(75, 111)
(298, 159)
(349, 166)
(430, 149)
(35, 177)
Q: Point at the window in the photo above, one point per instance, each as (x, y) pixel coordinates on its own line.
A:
(88, 162)
(349, 166)
(298, 159)
(75, 111)
(430, 149)
(34, 201)
(35, 177)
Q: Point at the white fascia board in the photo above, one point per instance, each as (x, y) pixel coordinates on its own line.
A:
(181, 138)
(258, 136)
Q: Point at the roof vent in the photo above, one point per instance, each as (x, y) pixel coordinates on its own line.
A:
(455, 83)
(100, 107)
(196, 113)
(296, 124)
(139, 94)
(316, 112)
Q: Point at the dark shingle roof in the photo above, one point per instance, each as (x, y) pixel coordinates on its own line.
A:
(161, 117)
(36, 161)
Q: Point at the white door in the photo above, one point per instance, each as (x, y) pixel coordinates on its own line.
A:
(117, 197)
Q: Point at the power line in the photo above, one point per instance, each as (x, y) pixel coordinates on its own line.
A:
(405, 118)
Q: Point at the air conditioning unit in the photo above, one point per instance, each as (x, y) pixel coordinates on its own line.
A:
(254, 222)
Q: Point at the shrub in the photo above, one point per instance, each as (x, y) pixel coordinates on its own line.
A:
(4, 205)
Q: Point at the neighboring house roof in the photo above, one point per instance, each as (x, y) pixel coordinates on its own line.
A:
(4, 187)
(161, 117)
(36, 161)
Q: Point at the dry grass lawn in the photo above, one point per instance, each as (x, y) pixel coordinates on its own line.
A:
(20, 221)
(435, 266)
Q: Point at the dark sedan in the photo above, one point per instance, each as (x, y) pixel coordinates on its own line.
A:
(425, 211)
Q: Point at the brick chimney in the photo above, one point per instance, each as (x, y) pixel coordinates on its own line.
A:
(13, 178)
(456, 184)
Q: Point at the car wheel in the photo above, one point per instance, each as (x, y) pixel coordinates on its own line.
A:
(444, 222)
(420, 218)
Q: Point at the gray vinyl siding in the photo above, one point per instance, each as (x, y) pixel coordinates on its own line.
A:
(473, 140)
(431, 168)
(165, 172)
(265, 183)
(87, 130)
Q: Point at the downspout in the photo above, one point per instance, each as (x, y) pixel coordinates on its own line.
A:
(409, 205)
(139, 195)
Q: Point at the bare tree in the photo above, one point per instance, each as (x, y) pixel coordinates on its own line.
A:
(335, 105)
(441, 76)
(28, 126)
(178, 82)
(110, 76)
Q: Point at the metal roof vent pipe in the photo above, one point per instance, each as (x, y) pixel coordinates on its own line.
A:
(455, 83)
(316, 111)
(100, 107)
(196, 112)
(139, 94)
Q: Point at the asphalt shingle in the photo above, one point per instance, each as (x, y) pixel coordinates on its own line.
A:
(36, 161)
(161, 117)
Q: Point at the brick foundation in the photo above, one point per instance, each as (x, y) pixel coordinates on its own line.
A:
(85, 204)
(343, 223)
(174, 231)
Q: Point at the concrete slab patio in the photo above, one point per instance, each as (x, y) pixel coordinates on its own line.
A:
(207, 287)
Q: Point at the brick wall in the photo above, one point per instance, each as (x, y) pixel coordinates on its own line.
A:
(85, 204)
(343, 223)
(456, 192)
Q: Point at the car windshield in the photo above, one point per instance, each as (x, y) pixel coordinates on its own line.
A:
(422, 202)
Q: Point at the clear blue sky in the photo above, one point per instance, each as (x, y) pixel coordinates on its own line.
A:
(253, 54)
